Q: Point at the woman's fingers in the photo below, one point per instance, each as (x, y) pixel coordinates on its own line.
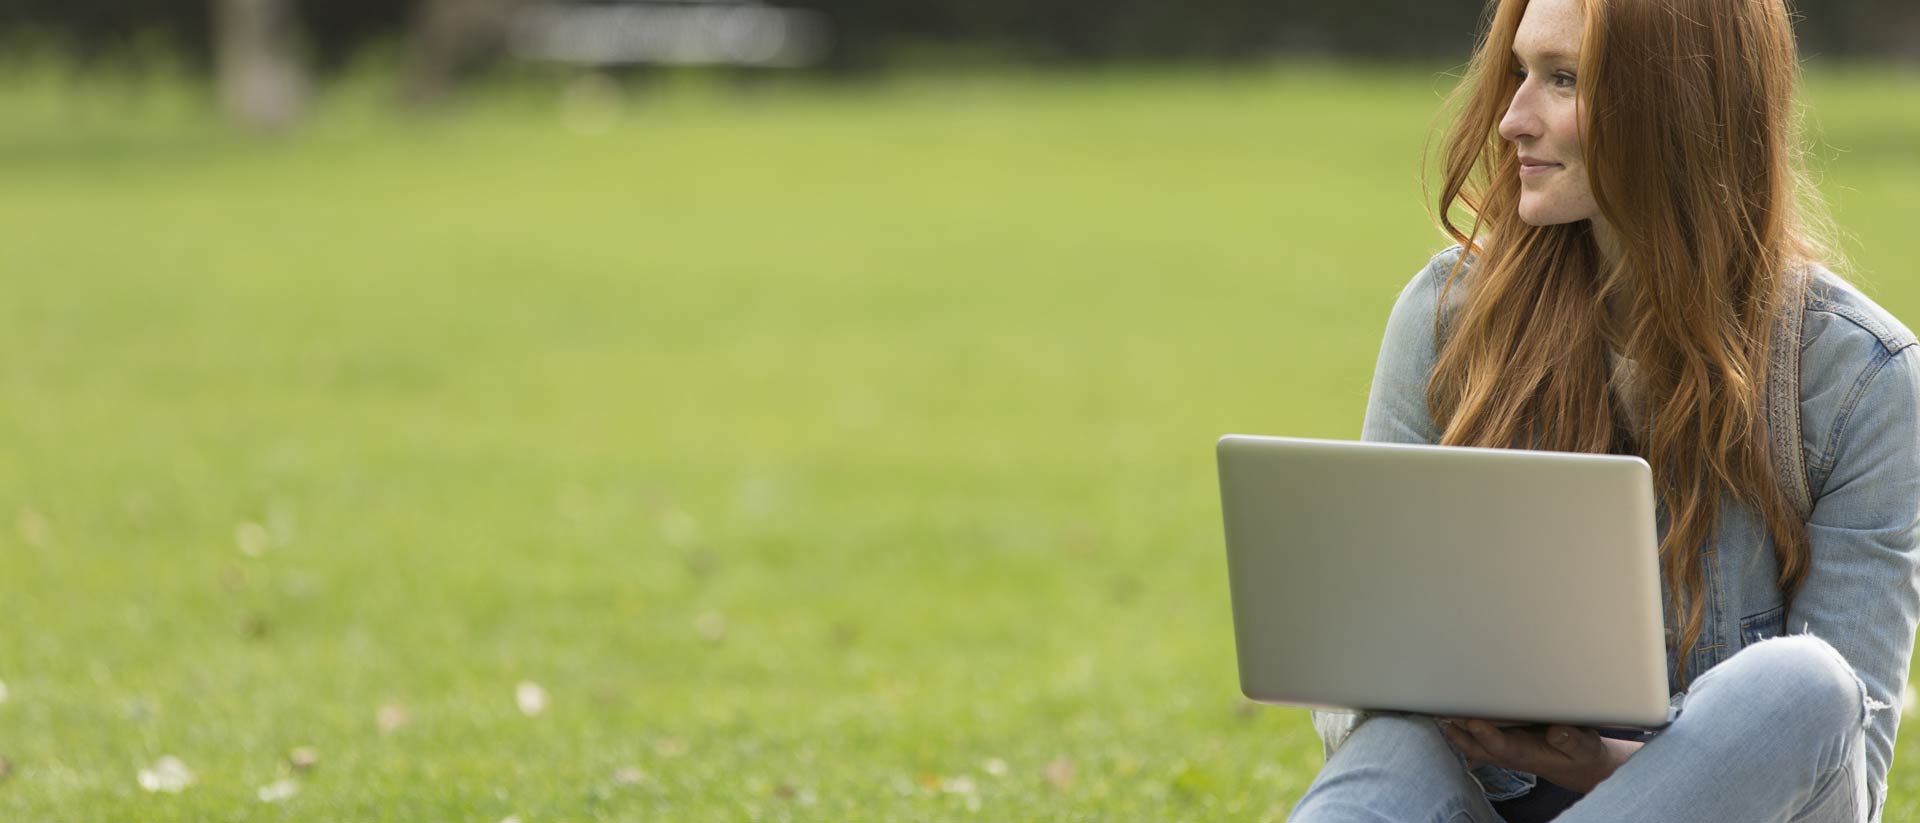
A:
(1465, 744)
(1516, 748)
(1576, 744)
(1570, 756)
(1493, 741)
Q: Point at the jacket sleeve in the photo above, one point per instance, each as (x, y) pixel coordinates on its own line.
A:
(1862, 592)
(1397, 403)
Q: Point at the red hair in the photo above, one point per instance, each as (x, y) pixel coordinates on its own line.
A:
(1691, 146)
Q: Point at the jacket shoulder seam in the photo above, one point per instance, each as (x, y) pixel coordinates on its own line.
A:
(1889, 339)
(1847, 408)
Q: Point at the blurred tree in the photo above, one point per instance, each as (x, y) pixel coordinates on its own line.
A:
(447, 37)
(262, 78)
(442, 38)
(1890, 27)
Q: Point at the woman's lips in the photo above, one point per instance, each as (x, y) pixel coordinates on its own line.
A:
(1538, 169)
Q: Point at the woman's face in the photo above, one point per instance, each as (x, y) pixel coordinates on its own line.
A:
(1544, 121)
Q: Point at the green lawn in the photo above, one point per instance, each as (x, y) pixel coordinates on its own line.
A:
(824, 453)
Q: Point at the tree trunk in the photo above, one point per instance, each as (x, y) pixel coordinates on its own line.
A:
(263, 83)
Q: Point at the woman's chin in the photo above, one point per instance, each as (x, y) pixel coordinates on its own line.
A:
(1545, 216)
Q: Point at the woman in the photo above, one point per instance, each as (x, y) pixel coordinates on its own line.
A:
(1634, 242)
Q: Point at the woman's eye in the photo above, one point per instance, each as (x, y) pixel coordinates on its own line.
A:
(1561, 80)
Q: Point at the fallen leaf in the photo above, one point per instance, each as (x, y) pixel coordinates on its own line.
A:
(1059, 773)
(303, 758)
(168, 774)
(391, 718)
(279, 790)
(531, 698)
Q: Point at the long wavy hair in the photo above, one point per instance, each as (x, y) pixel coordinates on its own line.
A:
(1692, 148)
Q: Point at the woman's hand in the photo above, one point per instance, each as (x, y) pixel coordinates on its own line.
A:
(1566, 756)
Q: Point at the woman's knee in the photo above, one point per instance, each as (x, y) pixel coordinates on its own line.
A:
(1798, 676)
(1399, 725)
(1395, 767)
(1395, 735)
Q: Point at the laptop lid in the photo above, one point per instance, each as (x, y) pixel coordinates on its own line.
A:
(1495, 583)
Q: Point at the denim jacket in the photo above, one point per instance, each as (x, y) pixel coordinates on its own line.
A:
(1860, 433)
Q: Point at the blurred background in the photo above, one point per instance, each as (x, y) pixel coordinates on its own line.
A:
(268, 56)
(499, 410)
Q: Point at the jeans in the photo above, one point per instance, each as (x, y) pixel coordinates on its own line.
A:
(1774, 733)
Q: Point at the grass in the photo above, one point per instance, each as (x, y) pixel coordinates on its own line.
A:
(824, 453)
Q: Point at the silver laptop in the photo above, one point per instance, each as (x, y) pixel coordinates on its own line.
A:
(1494, 583)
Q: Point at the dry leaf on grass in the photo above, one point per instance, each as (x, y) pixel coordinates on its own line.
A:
(391, 718)
(303, 758)
(1059, 773)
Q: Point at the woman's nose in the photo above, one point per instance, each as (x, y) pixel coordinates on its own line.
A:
(1519, 122)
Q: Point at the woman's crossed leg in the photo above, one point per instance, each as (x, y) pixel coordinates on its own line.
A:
(1776, 733)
